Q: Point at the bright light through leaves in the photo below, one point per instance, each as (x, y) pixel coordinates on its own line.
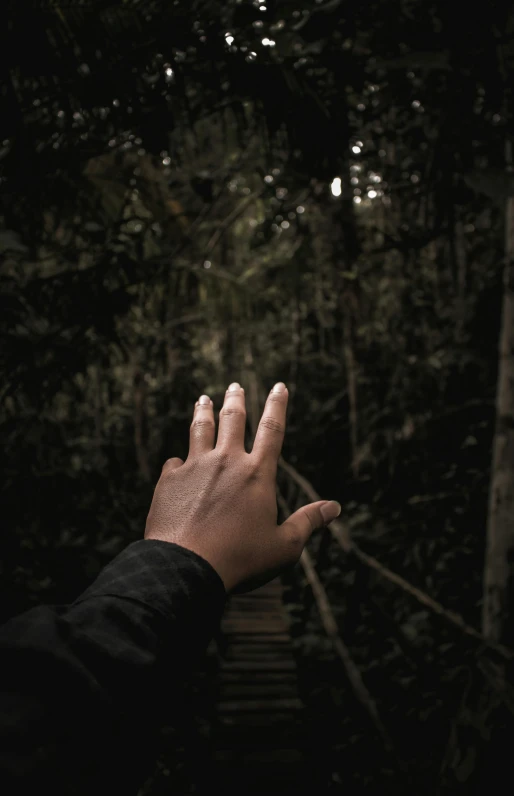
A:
(336, 186)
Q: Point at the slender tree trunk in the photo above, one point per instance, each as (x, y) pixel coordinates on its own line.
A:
(98, 404)
(462, 271)
(139, 425)
(351, 376)
(498, 608)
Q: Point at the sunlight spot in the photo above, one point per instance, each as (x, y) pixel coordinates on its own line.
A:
(372, 194)
(356, 150)
(336, 186)
(357, 200)
(300, 210)
(207, 264)
(268, 42)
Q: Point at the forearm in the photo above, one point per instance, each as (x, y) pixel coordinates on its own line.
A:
(88, 684)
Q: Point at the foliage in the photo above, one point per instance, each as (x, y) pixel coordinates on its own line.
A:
(169, 226)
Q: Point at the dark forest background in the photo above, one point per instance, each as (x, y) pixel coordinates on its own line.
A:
(322, 193)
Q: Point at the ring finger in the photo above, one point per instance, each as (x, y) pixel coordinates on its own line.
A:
(202, 431)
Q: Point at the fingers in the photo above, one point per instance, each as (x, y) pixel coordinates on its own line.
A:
(232, 420)
(202, 431)
(270, 434)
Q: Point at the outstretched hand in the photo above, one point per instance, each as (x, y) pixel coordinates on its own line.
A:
(221, 502)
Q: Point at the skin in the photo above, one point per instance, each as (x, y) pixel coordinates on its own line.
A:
(221, 502)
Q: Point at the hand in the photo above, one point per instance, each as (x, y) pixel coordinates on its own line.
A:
(221, 502)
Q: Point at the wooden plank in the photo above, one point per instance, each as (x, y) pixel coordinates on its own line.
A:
(254, 616)
(248, 644)
(258, 666)
(233, 650)
(248, 676)
(246, 627)
(240, 736)
(259, 755)
(262, 610)
(259, 636)
(259, 705)
(262, 600)
(258, 691)
(271, 721)
(269, 655)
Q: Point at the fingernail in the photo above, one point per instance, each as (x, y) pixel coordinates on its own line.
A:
(331, 510)
(279, 387)
(204, 399)
(234, 386)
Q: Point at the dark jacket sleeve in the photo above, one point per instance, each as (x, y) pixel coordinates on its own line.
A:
(84, 687)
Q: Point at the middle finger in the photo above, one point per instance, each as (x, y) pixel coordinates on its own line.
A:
(232, 419)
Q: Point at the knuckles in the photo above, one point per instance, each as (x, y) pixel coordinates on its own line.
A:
(272, 424)
(232, 410)
(201, 422)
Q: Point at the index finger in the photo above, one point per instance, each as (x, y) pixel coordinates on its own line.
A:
(270, 433)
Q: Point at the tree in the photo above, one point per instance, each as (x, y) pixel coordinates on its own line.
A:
(498, 609)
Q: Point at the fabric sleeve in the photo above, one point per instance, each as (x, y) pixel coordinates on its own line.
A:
(86, 686)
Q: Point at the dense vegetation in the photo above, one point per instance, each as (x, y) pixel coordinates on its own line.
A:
(200, 192)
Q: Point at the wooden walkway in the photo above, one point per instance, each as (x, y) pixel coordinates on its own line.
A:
(259, 743)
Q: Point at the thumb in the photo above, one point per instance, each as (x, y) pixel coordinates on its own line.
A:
(315, 515)
(172, 464)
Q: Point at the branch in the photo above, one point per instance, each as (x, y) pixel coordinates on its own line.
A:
(232, 216)
(331, 629)
(341, 534)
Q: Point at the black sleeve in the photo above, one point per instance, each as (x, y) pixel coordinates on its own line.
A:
(84, 687)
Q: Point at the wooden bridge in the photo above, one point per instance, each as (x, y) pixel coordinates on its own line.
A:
(260, 745)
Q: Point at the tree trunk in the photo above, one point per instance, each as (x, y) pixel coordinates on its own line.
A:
(498, 608)
(140, 425)
(349, 318)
